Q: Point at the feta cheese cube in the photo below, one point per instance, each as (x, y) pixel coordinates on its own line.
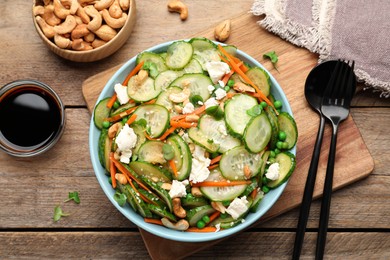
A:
(238, 207)
(220, 94)
(211, 102)
(188, 108)
(273, 172)
(217, 70)
(121, 93)
(178, 189)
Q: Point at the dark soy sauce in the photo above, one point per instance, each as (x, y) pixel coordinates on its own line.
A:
(30, 117)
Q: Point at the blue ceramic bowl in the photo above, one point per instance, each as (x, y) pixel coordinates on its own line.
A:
(267, 202)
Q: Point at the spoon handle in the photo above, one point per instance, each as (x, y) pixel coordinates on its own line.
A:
(308, 192)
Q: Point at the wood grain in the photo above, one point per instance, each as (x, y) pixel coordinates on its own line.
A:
(353, 161)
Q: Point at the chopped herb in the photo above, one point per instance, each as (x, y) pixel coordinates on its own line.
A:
(73, 196)
(151, 67)
(120, 198)
(58, 213)
(273, 57)
(255, 110)
(210, 141)
(195, 99)
(142, 122)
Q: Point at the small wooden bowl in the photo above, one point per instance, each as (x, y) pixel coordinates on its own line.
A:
(94, 54)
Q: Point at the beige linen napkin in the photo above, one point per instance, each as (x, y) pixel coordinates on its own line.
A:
(348, 29)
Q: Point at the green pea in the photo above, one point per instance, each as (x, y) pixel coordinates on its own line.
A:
(106, 124)
(124, 120)
(272, 160)
(200, 224)
(279, 145)
(265, 189)
(277, 151)
(230, 83)
(227, 88)
(116, 104)
(263, 104)
(285, 145)
(206, 219)
(272, 154)
(278, 104)
(226, 203)
(282, 136)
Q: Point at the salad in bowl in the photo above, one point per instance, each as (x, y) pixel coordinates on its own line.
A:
(193, 136)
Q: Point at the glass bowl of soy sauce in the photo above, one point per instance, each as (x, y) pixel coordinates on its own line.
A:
(32, 118)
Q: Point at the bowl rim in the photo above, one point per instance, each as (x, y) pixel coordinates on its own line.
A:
(131, 15)
(267, 202)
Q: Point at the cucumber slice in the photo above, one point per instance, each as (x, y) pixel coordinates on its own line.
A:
(179, 55)
(287, 165)
(139, 131)
(262, 170)
(150, 171)
(204, 51)
(152, 57)
(156, 116)
(129, 198)
(233, 162)
(163, 99)
(104, 149)
(196, 82)
(163, 194)
(260, 78)
(153, 197)
(231, 49)
(257, 134)
(142, 207)
(193, 67)
(287, 124)
(195, 214)
(237, 78)
(185, 168)
(273, 119)
(256, 201)
(162, 212)
(226, 222)
(236, 116)
(200, 138)
(122, 108)
(101, 112)
(216, 130)
(190, 201)
(165, 78)
(152, 152)
(144, 92)
(221, 193)
(178, 158)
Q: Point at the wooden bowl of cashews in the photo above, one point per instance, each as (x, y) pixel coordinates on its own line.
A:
(84, 30)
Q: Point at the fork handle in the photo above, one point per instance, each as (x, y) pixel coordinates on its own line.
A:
(327, 193)
(308, 192)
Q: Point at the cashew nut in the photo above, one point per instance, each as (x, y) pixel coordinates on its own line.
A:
(67, 26)
(96, 21)
(218, 206)
(192, 118)
(124, 4)
(195, 191)
(89, 37)
(38, 10)
(179, 97)
(178, 209)
(49, 16)
(105, 33)
(97, 43)
(103, 4)
(178, 7)
(59, 10)
(72, 5)
(46, 2)
(242, 87)
(62, 42)
(114, 22)
(81, 45)
(166, 186)
(141, 77)
(181, 225)
(115, 10)
(114, 129)
(79, 31)
(86, 2)
(222, 31)
(47, 30)
(83, 15)
(121, 178)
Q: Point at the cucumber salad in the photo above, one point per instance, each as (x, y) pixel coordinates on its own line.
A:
(193, 139)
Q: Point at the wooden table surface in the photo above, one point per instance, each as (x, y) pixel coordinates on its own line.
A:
(359, 223)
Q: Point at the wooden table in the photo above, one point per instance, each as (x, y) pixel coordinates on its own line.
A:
(31, 188)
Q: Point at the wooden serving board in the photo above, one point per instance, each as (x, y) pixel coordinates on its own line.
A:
(353, 160)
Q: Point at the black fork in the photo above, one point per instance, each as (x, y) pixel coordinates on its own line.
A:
(335, 107)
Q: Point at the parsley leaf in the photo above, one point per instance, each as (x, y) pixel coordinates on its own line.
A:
(73, 196)
(273, 57)
(120, 198)
(58, 213)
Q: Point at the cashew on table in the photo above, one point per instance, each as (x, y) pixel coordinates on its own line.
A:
(81, 24)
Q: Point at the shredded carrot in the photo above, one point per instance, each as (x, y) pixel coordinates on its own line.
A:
(202, 230)
(254, 193)
(216, 159)
(131, 119)
(165, 135)
(112, 171)
(219, 183)
(153, 221)
(213, 166)
(214, 216)
(112, 100)
(147, 200)
(237, 69)
(231, 94)
(123, 170)
(197, 111)
(133, 72)
(173, 166)
(182, 124)
(240, 64)
(121, 115)
(227, 76)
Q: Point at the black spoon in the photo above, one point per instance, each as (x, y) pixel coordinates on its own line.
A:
(315, 85)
